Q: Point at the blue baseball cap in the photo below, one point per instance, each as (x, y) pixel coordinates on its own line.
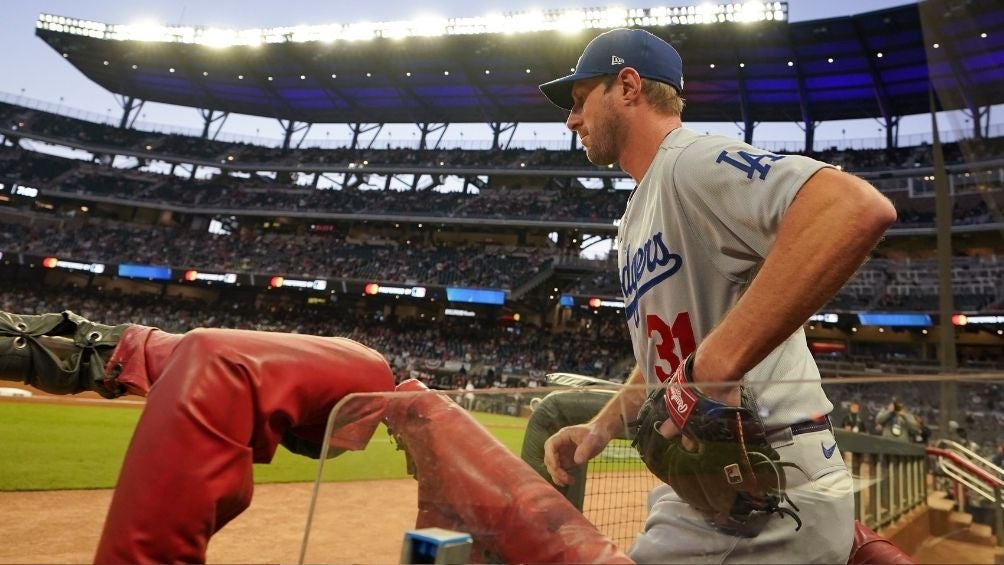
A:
(611, 51)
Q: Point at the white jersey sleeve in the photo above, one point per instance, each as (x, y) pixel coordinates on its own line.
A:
(735, 195)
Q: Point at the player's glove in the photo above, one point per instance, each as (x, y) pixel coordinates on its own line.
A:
(732, 473)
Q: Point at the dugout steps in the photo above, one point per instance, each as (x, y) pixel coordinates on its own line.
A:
(946, 521)
(937, 533)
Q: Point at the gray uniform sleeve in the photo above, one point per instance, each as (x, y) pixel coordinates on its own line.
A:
(734, 196)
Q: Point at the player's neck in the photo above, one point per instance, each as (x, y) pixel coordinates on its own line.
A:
(642, 144)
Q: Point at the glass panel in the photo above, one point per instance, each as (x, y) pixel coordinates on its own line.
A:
(469, 474)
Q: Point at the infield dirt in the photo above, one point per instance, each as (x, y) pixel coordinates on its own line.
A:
(355, 522)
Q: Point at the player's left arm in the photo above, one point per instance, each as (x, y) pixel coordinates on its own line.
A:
(823, 237)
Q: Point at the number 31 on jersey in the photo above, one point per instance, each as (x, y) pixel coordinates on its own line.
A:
(668, 338)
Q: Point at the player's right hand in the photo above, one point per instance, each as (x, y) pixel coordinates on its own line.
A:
(570, 447)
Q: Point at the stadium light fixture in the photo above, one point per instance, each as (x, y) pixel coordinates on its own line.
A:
(565, 20)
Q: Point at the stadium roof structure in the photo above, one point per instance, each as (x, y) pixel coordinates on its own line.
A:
(877, 64)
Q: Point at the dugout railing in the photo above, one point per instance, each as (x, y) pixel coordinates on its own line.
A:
(974, 477)
(890, 476)
(481, 472)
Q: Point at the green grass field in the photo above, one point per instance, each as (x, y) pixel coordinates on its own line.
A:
(63, 446)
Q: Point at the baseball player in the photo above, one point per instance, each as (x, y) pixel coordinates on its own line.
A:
(217, 401)
(724, 251)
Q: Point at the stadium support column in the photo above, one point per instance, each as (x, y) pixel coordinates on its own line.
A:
(961, 92)
(961, 84)
(359, 129)
(425, 129)
(979, 116)
(290, 127)
(498, 128)
(808, 124)
(891, 124)
(208, 118)
(943, 223)
(882, 97)
(287, 134)
(130, 109)
(744, 106)
(809, 127)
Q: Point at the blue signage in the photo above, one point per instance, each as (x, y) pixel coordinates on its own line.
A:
(475, 295)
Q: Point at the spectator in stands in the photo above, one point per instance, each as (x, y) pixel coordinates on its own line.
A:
(923, 433)
(999, 456)
(853, 422)
(895, 422)
(960, 435)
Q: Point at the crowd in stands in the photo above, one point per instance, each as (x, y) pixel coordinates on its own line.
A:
(602, 283)
(900, 158)
(492, 355)
(31, 168)
(279, 253)
(971, 208)
(981, 404)
(912, 284)
(880, 284)
(602, 206)
(511, 202)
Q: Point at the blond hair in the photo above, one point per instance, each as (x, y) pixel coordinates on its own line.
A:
(661, 96)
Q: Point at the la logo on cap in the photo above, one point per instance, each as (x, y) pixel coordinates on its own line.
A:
(615, 60)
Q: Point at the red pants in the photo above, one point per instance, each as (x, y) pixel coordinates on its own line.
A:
(218, 401)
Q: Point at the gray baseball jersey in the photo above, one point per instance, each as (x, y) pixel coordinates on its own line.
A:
(693, 235)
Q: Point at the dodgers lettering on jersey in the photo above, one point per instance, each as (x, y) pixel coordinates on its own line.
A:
(693, 236)
(651, 263)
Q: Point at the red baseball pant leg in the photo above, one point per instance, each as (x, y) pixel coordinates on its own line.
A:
(217, 401)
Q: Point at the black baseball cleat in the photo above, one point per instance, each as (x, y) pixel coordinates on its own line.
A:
(58, 353)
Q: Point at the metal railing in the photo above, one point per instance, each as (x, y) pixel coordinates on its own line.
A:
(890, 476)
(975, 473)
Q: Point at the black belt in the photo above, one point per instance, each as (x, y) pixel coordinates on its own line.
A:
(809, 426)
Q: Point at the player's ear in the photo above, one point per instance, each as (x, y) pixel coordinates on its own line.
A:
(629, 84)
